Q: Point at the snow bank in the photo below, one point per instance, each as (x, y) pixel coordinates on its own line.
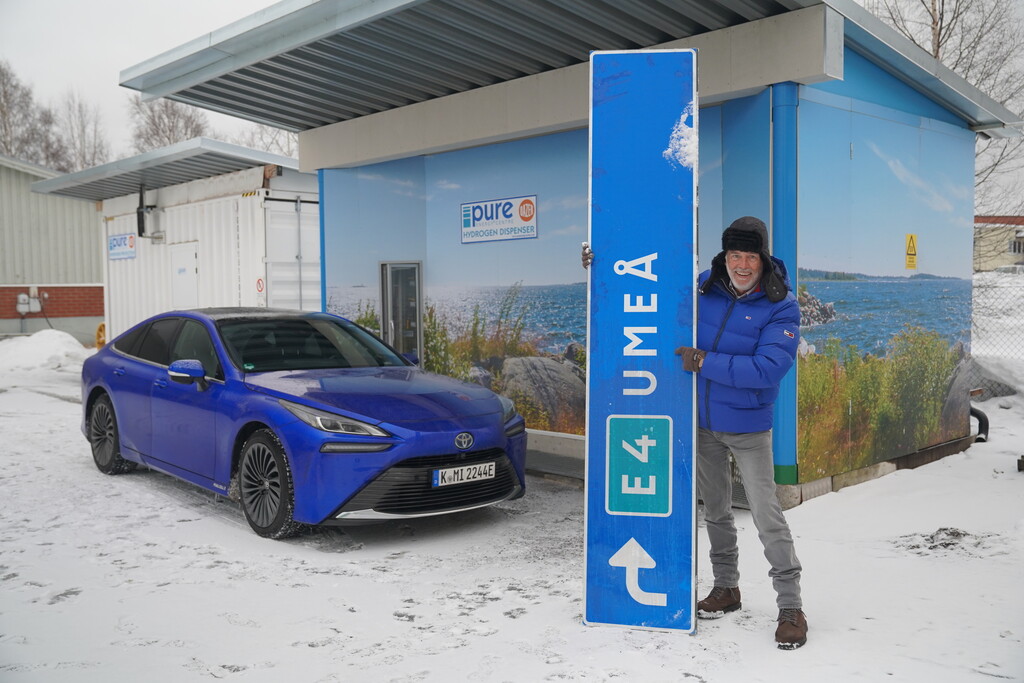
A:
(48, 349)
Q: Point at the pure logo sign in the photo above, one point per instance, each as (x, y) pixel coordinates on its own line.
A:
(514, 218)
(121, 246)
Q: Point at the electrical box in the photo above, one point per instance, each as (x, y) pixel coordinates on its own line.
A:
(27, 304)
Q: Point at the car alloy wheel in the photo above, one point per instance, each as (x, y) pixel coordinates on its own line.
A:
(265, 484)
(104, 439)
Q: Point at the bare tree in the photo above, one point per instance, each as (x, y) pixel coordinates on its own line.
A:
(164, 122)
(269, 139)
(28, 131)
(16, 106)
(981, 40)
(82, 127)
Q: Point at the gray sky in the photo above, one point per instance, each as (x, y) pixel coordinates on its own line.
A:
(58, 45)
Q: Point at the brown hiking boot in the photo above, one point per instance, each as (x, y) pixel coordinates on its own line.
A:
(792, 630)
(719, 601)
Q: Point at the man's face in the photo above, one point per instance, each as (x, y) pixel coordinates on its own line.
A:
(744, 269)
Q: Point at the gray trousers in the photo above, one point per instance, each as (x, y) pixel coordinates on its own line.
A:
(753, 455)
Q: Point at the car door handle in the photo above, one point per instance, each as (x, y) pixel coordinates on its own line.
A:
(119, 372)
(160, 384)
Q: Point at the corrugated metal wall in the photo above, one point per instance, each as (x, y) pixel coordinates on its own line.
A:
(293, 255)
(135, 287)
(224, 220)
(46, 239)
(140, 287)
(252, 245)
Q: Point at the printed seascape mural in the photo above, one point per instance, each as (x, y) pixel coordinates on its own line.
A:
(884, 348)
(881, 369)
(509, 313)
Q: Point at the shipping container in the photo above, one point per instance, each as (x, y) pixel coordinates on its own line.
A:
(213, 242)
(198, 224)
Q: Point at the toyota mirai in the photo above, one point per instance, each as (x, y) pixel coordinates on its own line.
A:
(304, 418)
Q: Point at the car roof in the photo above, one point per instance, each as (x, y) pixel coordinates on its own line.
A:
(249, 313)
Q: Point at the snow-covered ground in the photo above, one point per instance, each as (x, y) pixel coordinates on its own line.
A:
(916, 576)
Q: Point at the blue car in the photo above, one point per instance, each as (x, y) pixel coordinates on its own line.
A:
(304, 418)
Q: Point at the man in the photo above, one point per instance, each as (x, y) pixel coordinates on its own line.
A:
(748, 326)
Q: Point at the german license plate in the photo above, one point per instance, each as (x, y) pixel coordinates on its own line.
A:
(461, 475)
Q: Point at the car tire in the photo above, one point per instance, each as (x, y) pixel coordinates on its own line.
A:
(265, 487)
(105, 439)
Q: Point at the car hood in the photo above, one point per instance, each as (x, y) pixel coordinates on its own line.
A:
(394, 395)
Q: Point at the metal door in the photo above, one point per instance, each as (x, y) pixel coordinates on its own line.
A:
(401, 307)
(293, 253)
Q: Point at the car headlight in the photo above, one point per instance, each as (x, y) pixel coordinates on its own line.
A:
(508, 414)
(508, 408)
(329, 422)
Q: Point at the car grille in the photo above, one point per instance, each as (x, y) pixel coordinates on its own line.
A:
(405, 488)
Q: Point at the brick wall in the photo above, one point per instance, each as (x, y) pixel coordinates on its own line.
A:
(58, 301)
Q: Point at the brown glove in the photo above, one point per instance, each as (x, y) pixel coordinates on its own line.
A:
(693, 359)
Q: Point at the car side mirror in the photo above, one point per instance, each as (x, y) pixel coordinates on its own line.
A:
(411, 357)
(188, 371)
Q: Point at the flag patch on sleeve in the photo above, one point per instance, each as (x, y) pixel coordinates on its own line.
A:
(789, 334)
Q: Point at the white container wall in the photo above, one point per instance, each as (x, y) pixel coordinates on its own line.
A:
(293, 254)
(214, 251)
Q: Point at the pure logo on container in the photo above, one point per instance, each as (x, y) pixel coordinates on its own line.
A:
(121, 246)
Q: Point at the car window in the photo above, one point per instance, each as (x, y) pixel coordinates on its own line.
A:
(263, 345)
(128, 341)
(194, 343)
(156, 345)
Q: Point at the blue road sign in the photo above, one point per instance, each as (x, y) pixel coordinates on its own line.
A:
(641, 426)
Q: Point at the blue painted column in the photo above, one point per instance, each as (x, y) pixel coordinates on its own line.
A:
(323, 252)
(785, 98)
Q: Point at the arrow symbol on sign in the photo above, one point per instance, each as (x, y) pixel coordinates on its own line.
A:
(632, 557)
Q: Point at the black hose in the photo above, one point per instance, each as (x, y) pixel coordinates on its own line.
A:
(42, 309)
(982, 424)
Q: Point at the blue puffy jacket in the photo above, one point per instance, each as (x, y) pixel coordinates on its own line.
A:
(751, 343)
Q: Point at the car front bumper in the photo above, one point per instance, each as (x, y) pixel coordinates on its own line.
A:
(332, 488)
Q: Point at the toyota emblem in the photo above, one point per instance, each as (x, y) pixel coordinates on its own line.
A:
(464, 441)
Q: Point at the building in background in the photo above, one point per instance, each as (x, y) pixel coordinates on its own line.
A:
(197, 224)
(50, 257)
(999, 243)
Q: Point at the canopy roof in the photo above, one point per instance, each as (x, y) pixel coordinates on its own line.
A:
(303, 64)
(180, 163)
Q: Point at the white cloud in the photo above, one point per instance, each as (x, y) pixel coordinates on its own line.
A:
(919, 187)
(572, 229)
(363, 175)
(569, 202)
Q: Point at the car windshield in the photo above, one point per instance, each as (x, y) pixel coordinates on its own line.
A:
(268, 344)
